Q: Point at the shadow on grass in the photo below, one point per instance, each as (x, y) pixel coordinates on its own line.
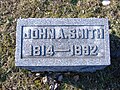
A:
(108, 78)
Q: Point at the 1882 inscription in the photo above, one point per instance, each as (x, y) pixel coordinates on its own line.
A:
(54, 36)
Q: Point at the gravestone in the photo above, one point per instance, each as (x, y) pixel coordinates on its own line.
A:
(62, 44)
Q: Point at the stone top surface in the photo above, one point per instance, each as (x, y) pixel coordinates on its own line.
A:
(62, 42)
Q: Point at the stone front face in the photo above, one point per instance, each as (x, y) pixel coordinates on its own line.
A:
(62, 44)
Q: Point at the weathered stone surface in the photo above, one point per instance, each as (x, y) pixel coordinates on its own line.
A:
(62, 44)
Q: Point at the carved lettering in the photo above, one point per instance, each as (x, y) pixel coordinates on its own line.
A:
(79, 34)
(42, 34)
(62, 33)
(50, 51)
(100, 33)
(42, 50)
(50, 33)
(94, 50)
(86, 50)
(27, 34)
(35, 33)
(36, 50)
(72, 34)
(78, 50)
(85, 33)
(81, 47)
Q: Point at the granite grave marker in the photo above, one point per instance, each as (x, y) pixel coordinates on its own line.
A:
(62, 44)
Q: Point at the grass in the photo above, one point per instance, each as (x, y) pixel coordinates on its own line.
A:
(18, 79)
